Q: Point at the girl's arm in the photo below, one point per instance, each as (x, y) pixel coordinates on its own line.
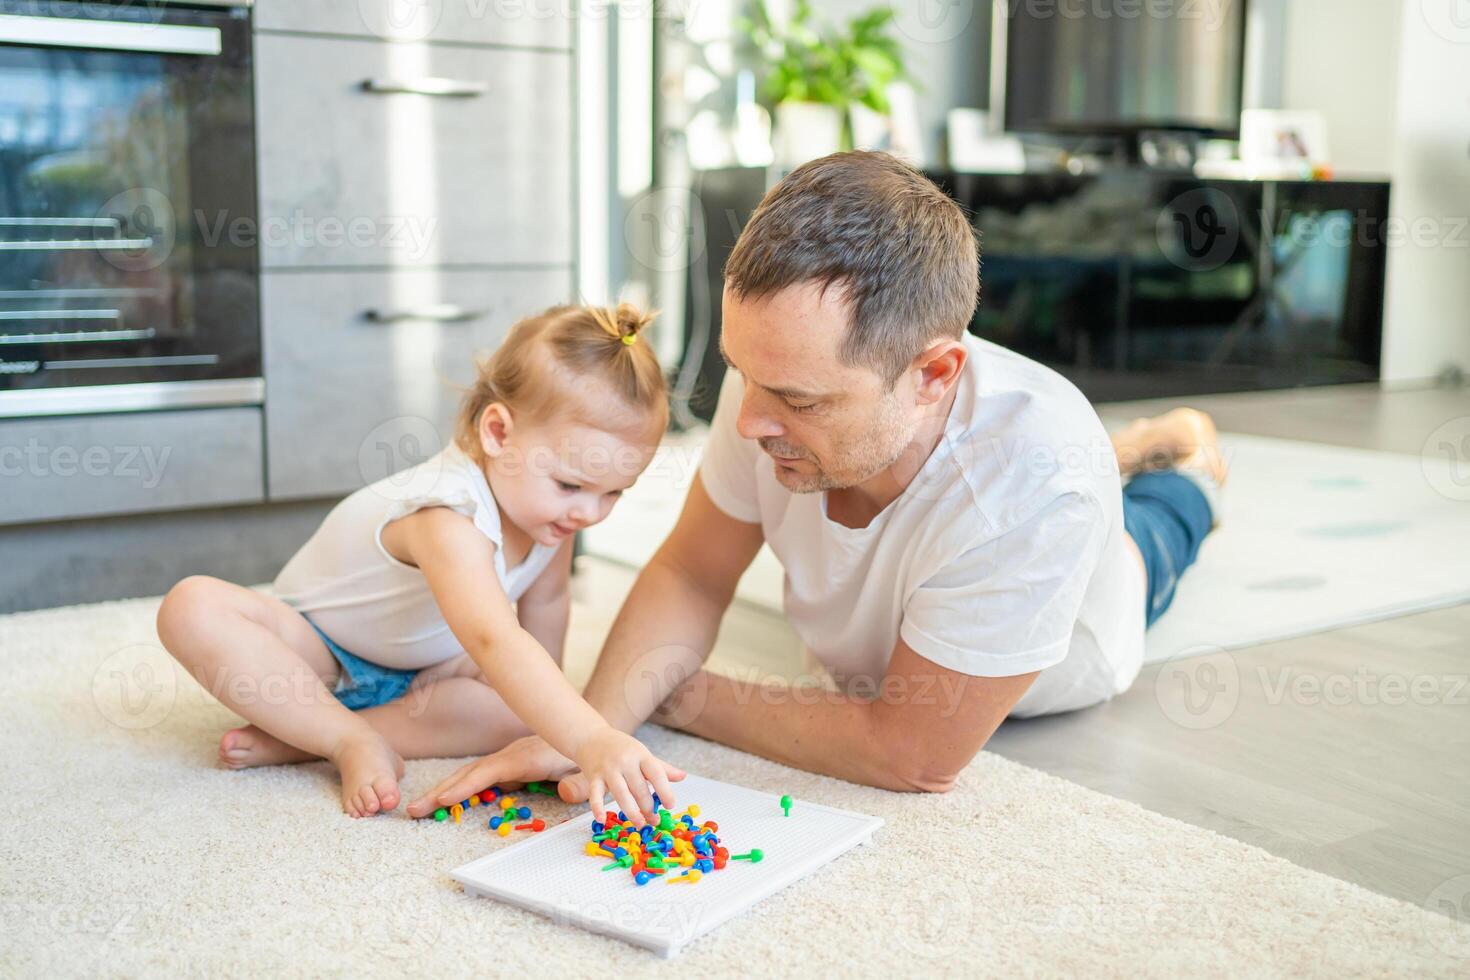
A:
(459, 564)
(545, 608)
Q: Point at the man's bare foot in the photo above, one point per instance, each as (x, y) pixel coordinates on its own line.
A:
(1182, 437)
(370, 772)
(243, 748)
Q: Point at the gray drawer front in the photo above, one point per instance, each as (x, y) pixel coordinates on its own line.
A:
(349, 401)
(350, 178)
(538, 23)
(87, 466)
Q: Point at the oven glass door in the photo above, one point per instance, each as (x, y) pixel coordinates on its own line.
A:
(127, 200)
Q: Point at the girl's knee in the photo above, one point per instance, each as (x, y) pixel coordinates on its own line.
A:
(191, 598)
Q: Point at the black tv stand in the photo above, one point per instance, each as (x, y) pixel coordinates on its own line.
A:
(1139, 283)
(1119, 280)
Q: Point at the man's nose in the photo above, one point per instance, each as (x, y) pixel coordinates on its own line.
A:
(752, 423)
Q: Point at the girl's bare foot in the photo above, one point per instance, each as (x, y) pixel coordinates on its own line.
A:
(1182, 437)
(370, 772)
(243, 748)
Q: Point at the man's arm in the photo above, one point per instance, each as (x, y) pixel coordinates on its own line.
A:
(545, 608)
(914, 730)
(669, 622)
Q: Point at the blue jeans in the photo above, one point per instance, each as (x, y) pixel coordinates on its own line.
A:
(1167, 516)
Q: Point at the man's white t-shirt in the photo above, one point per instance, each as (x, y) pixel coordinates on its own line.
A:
(370, 603)
(1006, 554)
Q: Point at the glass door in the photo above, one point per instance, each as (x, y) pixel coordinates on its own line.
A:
(127, 206)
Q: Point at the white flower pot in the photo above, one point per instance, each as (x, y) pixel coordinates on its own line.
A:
(805, 131)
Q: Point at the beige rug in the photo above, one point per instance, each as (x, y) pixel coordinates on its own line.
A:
(127, 852)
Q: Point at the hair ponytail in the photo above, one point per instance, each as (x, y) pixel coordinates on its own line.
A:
(538, 370)
(623, 323)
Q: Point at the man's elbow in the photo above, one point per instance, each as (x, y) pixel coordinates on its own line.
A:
(928, 780)
(915, 770)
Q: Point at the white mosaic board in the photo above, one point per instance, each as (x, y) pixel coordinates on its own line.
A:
(550, 873)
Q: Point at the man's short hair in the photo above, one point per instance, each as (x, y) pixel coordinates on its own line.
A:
(901, 250)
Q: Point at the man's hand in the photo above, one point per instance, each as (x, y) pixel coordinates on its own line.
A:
(524, 760)
(573, 787)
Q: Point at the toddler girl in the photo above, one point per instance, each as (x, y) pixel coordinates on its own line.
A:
(426, 616)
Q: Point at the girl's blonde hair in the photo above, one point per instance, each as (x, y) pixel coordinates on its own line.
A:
(539, 371)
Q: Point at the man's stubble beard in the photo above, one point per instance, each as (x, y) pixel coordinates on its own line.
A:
(875, 450)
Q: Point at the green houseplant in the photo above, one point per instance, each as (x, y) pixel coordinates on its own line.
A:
(816, 73)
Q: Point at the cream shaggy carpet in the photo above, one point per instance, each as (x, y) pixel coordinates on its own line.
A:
(127, 852)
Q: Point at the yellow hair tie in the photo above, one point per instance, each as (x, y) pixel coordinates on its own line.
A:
(630, 339)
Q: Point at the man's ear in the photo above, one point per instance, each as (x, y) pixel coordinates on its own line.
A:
(494, 429)
(939, 366)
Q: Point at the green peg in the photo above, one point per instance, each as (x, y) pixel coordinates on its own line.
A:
(665, 820)
(786, 806)
(754, 857)
(441, 814)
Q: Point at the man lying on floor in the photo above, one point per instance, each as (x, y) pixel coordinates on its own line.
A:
(958, 542)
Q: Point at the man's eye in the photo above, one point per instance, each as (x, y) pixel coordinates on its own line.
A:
(568, 487)
(802, 408)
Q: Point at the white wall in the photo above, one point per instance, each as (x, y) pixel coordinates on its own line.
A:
(1340, 59)
(1392, 77)
(1427, 317)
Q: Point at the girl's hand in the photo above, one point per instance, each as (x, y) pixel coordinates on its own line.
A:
(615, 762)
(521, 761)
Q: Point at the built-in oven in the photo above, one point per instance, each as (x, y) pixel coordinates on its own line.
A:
(129, 276)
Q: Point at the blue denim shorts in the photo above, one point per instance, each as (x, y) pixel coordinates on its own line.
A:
(1167, 515)
(363, 684)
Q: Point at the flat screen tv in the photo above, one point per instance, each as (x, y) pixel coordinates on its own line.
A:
(1122, 67)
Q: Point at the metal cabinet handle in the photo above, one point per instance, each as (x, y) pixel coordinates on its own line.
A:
(76, 336)
(79, 245)
(112, 223)
(426, 86)
(441, 313)
(110, 35)
(113, 315)
(71, 244)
